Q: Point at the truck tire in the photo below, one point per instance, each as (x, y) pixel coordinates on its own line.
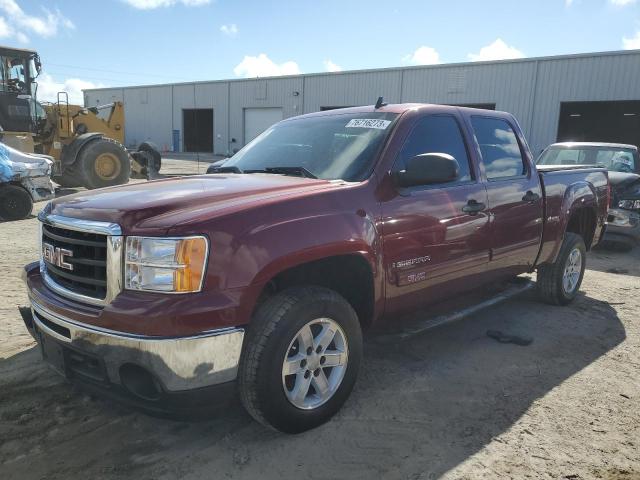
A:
(287, 379)
(15, 203)
(558, 283)
(104, 163)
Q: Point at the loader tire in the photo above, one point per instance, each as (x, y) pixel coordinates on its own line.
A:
(155, 163)
(70, 178)
(15, 203)
(104, 163)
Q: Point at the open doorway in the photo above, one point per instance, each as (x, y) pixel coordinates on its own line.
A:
(197, 125)
(615, 122)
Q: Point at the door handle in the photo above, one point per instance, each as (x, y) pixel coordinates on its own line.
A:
(473, 207)
(530, 197)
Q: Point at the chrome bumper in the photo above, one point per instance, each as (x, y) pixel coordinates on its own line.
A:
(179, 364)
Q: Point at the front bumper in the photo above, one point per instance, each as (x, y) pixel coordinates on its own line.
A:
(625, 232)
(40, 187)
(172, 364)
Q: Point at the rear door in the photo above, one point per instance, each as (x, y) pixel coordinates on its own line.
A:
(514, 195)
(432, 248)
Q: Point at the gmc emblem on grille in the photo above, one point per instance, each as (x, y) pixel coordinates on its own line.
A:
(56, 256)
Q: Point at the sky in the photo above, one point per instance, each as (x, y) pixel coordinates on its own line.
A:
(109, 43)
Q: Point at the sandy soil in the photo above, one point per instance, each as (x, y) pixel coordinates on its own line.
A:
(451, 403)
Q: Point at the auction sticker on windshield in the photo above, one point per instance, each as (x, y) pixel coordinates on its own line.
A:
(368, 123)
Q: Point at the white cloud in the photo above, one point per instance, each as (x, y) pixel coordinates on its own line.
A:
(48, 88)
(498, 50)
(16, 23)
(329, 66)
(152, 4)
(230, 30)
(568, 3)
(5, 30)
(423, 56)
(263, 66)
(622, 3)
(631, 43)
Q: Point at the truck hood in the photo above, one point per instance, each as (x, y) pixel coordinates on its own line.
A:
(157, 206)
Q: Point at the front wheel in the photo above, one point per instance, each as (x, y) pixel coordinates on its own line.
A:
(559, 282)
(300, 360)
(15, 203)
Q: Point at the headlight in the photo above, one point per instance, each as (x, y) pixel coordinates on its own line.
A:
(173, 265)
(629, 204)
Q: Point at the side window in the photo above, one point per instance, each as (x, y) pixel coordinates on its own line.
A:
(499, 147)
(436, 134)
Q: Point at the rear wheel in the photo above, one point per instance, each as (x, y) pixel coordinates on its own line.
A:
(559, 282)
(104, 163)
(300, 360)
(15, 203)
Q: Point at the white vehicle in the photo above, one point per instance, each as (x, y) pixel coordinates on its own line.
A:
(24, 178)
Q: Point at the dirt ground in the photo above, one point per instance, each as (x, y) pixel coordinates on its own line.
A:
(451, 403)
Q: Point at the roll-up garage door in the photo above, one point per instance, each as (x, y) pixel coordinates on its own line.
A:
(257, 120)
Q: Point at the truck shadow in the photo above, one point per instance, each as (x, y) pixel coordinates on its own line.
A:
(421, 407)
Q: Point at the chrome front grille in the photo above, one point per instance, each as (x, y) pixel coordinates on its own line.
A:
(90, 268)
(88, 261)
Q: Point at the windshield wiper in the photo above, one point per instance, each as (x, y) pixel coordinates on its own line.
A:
(230, 169)
(295, 171)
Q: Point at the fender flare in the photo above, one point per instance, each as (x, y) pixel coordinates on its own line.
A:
(577, 196)
(71, 152)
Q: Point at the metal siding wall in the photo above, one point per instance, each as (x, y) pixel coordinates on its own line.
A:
(215, 95)
(475, 84)
(351, 89)
(598, 78)
(94, 98)
(530, 89)
(183, 96)
(147, 115)
(262, 93)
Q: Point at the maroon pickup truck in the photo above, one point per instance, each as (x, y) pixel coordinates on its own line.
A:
(259, 278)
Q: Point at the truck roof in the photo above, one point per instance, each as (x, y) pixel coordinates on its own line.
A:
(400, 108)
(592, 144)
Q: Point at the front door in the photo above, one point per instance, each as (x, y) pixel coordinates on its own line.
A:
(515, 197)
(432, 247)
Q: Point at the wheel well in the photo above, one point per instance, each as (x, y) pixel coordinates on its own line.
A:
(583, 223)
(348, 275)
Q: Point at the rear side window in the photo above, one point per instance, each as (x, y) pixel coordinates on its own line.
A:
(437, 134)
(499, 147)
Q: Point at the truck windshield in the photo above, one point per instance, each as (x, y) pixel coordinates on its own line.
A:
(339, 146)
(615, 159)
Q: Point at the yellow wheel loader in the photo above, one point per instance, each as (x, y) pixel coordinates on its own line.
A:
(85, 143)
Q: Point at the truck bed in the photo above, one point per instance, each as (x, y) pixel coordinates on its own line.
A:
(561, 185)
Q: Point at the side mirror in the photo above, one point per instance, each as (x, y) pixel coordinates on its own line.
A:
(427, 169)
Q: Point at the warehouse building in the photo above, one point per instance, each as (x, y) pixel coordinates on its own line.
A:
(585, 97)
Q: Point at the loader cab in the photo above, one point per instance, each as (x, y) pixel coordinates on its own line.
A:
(18, 72)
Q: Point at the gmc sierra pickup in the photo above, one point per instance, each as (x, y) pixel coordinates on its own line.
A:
(259, 278)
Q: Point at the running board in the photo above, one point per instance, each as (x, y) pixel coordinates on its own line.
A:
(421, 326)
